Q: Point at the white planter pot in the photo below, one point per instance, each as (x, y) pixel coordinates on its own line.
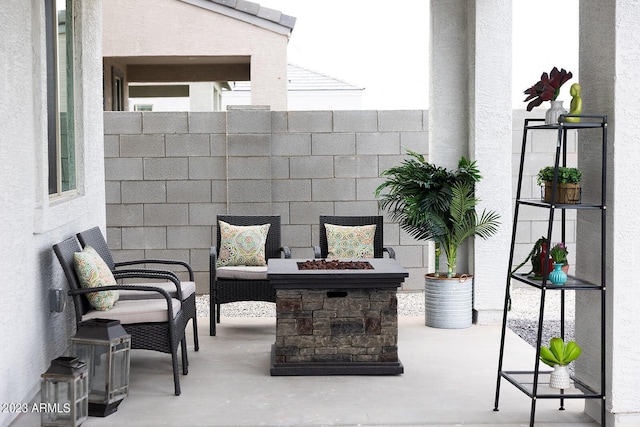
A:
(560, 377)
(448, 303)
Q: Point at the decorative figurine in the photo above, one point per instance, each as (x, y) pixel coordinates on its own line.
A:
(576, 102)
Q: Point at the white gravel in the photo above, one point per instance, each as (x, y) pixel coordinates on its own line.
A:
(522, 318)
(410, 303)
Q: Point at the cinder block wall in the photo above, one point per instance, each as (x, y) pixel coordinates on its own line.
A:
(169, 174)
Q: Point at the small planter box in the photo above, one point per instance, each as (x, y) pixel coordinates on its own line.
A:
(568, 194)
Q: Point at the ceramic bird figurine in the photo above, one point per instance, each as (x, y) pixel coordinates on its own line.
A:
(576, 102)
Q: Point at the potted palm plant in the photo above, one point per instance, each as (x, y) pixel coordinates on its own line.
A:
(433, 203)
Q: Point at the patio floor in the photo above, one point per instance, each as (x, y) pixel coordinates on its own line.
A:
(449, 380)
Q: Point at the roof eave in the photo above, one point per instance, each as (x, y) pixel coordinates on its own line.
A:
(252, 13)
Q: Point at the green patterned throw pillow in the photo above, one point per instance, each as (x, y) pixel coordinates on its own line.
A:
(350, 242)
(242, 245)
(94, 273)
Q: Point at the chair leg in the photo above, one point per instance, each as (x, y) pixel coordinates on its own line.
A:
(183, 352)
(218, 313)
(196, 345)
(174, 361)
(212, 321)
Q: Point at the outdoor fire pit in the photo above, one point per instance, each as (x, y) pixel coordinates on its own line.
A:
(336, 317)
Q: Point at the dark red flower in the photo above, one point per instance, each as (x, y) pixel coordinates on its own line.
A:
(548, 88)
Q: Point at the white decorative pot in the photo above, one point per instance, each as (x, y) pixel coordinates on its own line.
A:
(560, 377)
(448, 303)
(553, 114)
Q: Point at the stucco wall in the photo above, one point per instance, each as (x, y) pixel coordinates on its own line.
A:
(170, 28)
(30, 223)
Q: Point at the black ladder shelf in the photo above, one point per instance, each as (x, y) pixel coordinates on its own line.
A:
(533, 383)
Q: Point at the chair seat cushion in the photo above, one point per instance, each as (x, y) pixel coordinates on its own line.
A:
(137, 311)
(242, 273)
(350, 241)
(188, 289)
(94, 273)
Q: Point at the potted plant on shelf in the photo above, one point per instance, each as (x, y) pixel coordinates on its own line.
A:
(437, 204)
(558, 254)
(558, 355)
(548, 89)
(568, 188)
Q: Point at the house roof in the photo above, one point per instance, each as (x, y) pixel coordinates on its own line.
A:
(250, 12)
(304, 79)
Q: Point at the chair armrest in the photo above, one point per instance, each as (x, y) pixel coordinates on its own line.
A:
(287, 251)
(316, 252)
(149, 274)
(158, 261)
(145, 270)
(390, 251)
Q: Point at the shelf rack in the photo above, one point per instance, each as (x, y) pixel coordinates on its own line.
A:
(535, 383)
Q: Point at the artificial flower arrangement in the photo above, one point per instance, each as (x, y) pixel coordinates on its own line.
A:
(548, 88)
(559, 253)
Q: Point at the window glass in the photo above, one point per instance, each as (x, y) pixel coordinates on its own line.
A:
(60, 105)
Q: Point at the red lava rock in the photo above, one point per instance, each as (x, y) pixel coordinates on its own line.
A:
(323, 264)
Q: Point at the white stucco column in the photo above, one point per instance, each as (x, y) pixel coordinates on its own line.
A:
(490, 131)
(448, 95)
(609, 63)
(470, 114)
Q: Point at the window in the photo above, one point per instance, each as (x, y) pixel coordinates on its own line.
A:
(60, 105)
(117, 77)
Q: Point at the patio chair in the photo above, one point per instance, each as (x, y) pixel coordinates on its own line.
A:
(154, 324)
(322, 250)
(232, 283)
(93, 237)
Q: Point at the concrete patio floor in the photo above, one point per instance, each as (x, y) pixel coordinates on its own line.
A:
(449, 380)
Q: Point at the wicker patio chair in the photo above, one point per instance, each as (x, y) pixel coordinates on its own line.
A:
(245, 283)
(322, 250)
(93, 237)
(154, 324)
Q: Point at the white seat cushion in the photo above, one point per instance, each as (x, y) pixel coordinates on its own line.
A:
(242, 273)
(188, 289)
(136, 311)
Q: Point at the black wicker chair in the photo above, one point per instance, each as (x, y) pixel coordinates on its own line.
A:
(152, 334)
(322, 250)
(224, 290)
(93, 237)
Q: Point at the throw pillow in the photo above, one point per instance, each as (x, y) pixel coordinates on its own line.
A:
(350, 242)
(94, 273)
(242, 245)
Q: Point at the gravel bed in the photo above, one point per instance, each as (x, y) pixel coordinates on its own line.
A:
(521, 319)
(410, 304)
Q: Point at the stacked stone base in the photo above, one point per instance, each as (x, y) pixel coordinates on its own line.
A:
(336, 331)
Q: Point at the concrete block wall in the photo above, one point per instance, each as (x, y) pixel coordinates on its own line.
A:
(169, 174)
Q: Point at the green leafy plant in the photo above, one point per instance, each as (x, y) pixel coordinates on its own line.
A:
(559, 353)
(559, 253)
(565, 175)
(433, 203)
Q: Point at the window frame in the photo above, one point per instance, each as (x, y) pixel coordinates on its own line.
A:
(62, 167)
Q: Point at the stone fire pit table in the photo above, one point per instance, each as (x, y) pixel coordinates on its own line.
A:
(336, 322)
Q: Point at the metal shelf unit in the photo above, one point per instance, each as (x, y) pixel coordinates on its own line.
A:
(535, 383)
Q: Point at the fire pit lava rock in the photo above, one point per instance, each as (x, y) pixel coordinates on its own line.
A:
(323, 264)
